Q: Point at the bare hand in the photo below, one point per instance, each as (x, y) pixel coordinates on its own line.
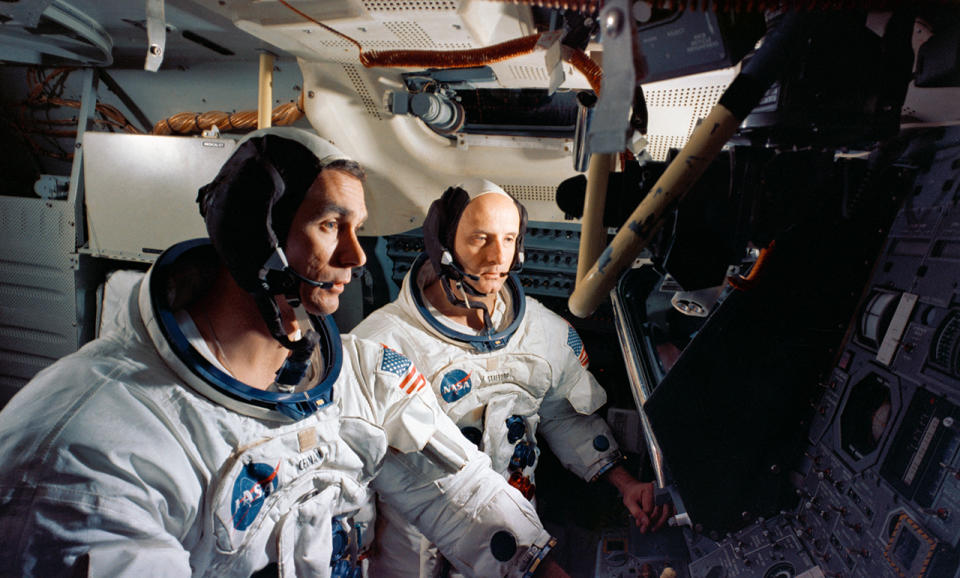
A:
(638, 497)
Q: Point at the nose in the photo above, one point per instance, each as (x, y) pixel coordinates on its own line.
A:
(349, 251)
(506, 252)
(498, 251)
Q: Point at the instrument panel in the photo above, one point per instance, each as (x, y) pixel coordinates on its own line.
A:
(878, 488)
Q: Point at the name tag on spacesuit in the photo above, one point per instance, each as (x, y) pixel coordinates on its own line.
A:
(497, 377)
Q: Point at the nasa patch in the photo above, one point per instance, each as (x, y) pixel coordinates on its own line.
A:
(253, 485)
(455, 385)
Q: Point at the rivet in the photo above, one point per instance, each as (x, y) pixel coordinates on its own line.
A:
(613, 23)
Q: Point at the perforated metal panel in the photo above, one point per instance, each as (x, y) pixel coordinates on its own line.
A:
(383, 25)
(535, 193)
(365, 94)
(530, 73)
(409, 5)
(38, 310)
(410, 35)
(676, 106)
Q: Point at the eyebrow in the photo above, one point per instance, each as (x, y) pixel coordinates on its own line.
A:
(339, 210)
(486, 232)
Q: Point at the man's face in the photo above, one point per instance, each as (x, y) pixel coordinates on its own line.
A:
(322, 244)
(486, 240)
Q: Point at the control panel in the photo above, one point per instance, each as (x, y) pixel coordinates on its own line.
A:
(626, 553)
(878, 492)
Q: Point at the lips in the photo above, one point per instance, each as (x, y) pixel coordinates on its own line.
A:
(338, 286)
(492, 275)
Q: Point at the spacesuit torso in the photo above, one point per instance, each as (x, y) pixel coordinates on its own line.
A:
(499, 397)
(116, 466)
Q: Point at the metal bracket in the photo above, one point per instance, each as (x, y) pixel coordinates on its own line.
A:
(156, 35)
(610, 125)
(52, 187)
(550, 43)
(88, 103)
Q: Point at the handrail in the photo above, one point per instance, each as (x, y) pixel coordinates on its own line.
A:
(640, 388)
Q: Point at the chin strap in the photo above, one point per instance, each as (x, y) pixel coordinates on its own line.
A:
(464, 288)
(450, 270)
(297, 363)
(278, 277)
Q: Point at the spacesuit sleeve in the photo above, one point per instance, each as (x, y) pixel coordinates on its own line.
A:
(59, 536)
(83, 495)
(577, 435)
(442, 484)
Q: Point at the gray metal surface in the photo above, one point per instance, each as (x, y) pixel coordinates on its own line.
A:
(37, 288)
(141, 191)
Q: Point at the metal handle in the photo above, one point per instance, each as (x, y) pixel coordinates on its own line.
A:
(265, 92)
(640, 388)
(592, 232)
(704, 145)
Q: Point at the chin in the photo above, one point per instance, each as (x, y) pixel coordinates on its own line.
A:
(318, 303)
(490, 289)
(498, 284)
(327, 306)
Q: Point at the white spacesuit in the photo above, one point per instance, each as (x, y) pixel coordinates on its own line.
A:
(112, 461)
(139, 455)
(499, 389)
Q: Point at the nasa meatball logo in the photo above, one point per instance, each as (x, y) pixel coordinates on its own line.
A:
(455, 385)
(253, 485)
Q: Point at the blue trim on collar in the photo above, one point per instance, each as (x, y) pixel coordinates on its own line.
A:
(480, 343)
(296, 405)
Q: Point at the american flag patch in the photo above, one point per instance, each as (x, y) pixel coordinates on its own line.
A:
(410, 379)
(573, 340)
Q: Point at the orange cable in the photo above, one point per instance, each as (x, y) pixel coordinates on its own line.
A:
(468, 58)
(752, 279)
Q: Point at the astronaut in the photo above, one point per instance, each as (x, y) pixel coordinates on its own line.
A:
(226, 429)
(501, 364)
